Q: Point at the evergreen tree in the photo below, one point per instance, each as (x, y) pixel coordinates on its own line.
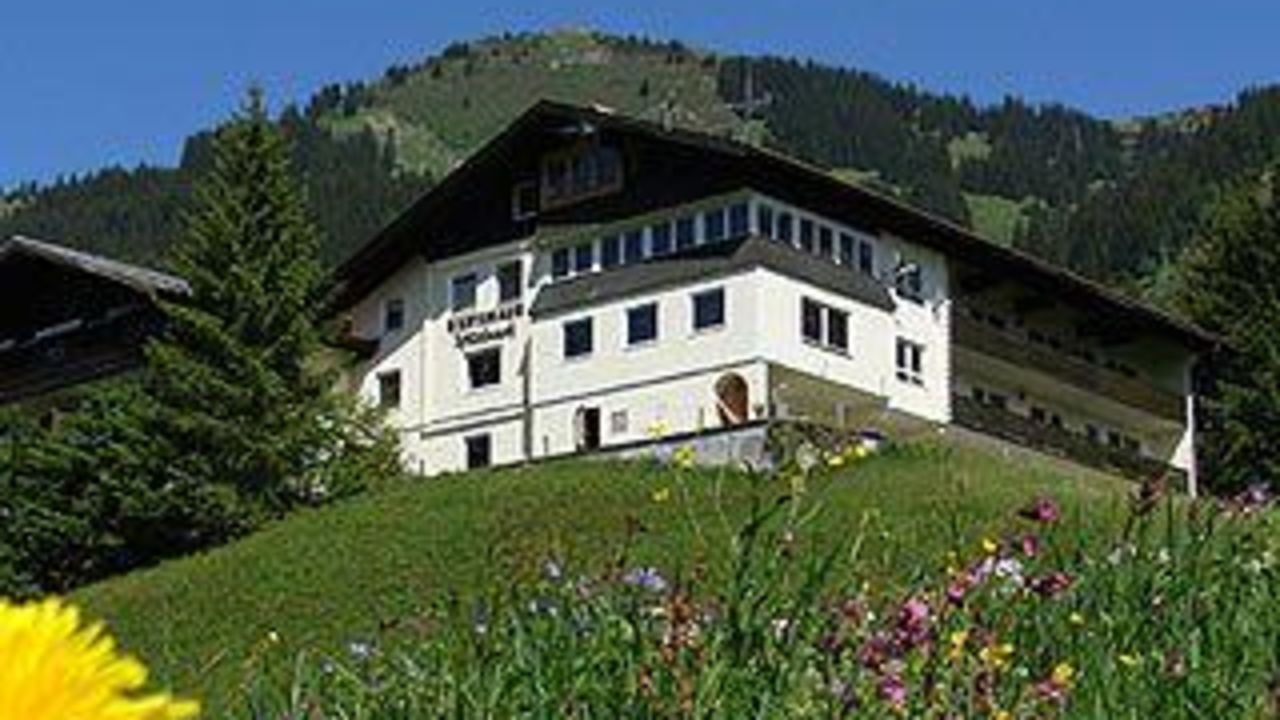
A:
(1230, 284)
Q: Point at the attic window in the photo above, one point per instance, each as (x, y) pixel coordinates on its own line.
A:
(524, 200)
(581, 172)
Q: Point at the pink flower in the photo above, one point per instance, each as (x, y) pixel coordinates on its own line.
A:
(1044, 511)
(1052, 585)
(893, 691)
(1030, 545)
(913, 623)
(956, 591)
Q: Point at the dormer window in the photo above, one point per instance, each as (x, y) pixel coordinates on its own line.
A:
(581, 172)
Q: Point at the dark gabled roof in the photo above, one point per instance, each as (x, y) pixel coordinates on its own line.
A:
(706, 263)
(395, 244)
(139, 279)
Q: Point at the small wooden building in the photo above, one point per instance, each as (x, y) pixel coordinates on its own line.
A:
(69, 317)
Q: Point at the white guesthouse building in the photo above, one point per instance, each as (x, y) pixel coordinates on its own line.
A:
(587, 281)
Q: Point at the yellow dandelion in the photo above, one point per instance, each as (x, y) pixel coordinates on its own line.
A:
(661, 495)
(56, 669)
(958, 640)
(273, 637)
(860, 452)
(1002, 715)
(996, 656)
(684, 456)
(1076, 619)
(1063, 674)
(835, 461)
(1129, 660)
(990, 546)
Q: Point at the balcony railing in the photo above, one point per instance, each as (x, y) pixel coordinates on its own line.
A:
(974, 335)
(969, 413)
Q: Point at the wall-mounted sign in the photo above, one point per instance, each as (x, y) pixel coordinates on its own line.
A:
(478, 327)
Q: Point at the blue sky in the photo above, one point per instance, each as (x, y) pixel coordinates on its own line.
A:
(88, 83)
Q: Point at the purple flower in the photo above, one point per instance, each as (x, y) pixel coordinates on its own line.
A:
(1052, 585)
(1030, 545)
(1044, 511)
(913, 623)
(893, 691)
(646, 578)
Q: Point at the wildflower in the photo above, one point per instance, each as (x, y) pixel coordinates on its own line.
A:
(861, 452)
(1052, 585)
(1063, 674)
(646, 578)
(1129, 660)
(552, 570)
(1076, 619)
(1043, 510)
(273, 637)
(913, 623)
(996, 656)
(893, 691)
(835, 461)
(989, 546)
(684, 457)
(956, 591)
(55, 668)
(1009, 570)
(1000, 714)
(1030, 545)
(360, 650)
(661, 495)
(957, 640)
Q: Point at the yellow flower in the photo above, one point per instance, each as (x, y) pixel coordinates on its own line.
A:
(1002, 715)
(996, 656)
(958, 640)
(661, 495)
(1076, 619)
(861, 452)
(684, 456)
(835, 461)
(54, 668)
(990, 546)
(1129, 660)
(273, 637)
(1063, 674)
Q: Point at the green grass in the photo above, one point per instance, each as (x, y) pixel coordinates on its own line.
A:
(325, 577)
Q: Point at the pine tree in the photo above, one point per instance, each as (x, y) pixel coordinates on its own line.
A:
(239, 398)
(1230, 283)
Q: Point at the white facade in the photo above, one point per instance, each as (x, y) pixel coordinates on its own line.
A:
(546, 403)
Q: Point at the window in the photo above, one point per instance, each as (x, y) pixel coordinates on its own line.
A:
(713, 225)
(559, 263)
(810, 320)
(806, 235)
(686, 233)
(866, 257)
(1039, 415)
(824, 325)
(389, 389)
(660, 238)
(909, 281)
(786, 227)
(618, 422)
(708, 309)
(484, 368)
(642, 324)
(1092, 433)
(584, 258)
(826, 245)
(393, 315)
(764, 220)
(837, 330)
(524, 200)
(848, 249)
(577, 338)
(633, 246)
(463, 291)
(479, 451)
(510, 281)
(739, 220)
(580, 173)
(910, 362)
(610, 252)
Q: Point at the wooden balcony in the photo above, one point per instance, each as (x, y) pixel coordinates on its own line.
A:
(979, 337)
(969, 413)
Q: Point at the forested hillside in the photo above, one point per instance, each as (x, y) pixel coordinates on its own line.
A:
(1116, 200)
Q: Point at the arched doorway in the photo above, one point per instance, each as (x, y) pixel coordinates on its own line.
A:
(733, 399)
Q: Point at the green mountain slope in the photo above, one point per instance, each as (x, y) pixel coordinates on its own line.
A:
(367, 569)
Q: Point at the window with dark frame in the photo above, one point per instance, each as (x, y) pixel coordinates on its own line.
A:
(910, 362)
(837, 329)
(479, 451)
(389, 389)
(584, 257)
(510, 281)
(660, 238)
(524, 200)
(764, 220)
(578, 340)
(848, 249)
(708, 309)
(806, 235)
(642, 324)
(739, 220)
(713, 227)
(484, 368)
(866, 257)
(686, 233)
(786, 227)
(826, 242)
(462, 289)
(633, 247)
(811, 320)
(824, 325)
(559, 263)
(610, 252)
(393, 315)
